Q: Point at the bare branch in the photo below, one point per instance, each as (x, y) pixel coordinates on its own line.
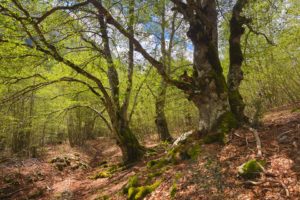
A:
(53, 10)
(15, 79)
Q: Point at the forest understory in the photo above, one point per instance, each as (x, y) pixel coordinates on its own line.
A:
(92, 172)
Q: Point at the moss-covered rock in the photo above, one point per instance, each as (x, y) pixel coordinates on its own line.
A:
(251, 169)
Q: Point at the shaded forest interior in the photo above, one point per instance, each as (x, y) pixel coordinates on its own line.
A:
(164, 99)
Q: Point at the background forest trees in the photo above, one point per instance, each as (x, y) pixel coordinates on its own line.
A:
(68, 74)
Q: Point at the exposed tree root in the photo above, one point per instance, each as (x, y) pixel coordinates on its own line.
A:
(258, 141)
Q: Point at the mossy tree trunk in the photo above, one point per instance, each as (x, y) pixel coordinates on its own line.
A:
(160, 119)
(208, 86)
(132, 151)
(235, 74)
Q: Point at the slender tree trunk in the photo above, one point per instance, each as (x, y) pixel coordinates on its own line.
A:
(160, 119)
(235, 74)
(130, 146)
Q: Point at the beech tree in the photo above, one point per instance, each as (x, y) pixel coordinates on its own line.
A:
(206, 87)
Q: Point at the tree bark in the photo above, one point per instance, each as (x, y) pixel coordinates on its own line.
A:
(209, 89)
(132, 151)
(235, 74)
(160, 119)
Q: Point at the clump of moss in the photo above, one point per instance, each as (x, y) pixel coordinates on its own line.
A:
(136, 193)
(173, 190)
(251, 169)
(157, 163)
(155, 174)
(132, 182)
(102, 174)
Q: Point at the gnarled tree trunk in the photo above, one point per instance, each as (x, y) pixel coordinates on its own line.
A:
(209, 89)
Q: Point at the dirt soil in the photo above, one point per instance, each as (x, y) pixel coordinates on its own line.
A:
(213, 175)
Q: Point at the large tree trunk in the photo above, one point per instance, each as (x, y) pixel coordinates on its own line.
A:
(209, 89)
(160, 119)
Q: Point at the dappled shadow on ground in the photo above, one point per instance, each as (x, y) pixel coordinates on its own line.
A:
(213, 175)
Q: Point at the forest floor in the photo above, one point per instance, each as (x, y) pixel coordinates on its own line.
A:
(213, 175)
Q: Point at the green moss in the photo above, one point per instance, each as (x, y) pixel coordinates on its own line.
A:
(144, 190)
(102, 174)
(173, 190)
(132, 191)
(155, 174)
(132, 182)
(157, 163)
(227, 122)
(135, 192)
(224, 125)
(251, 169)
